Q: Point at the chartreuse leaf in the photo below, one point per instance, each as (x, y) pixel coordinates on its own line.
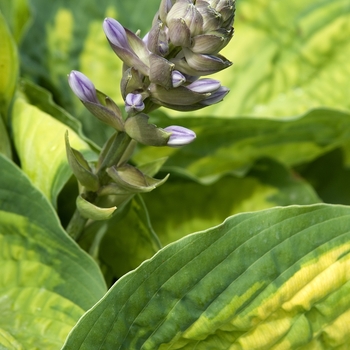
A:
(273, 279)
(288, 57)
(183, 206)
(46, 281)
(8, 66)
(231, 146)
(41, 98)
(17, 14)
(39, 141)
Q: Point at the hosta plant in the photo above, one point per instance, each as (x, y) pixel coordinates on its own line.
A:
(169, 182)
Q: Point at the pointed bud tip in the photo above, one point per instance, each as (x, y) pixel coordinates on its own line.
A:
(82, 87)
(180, 136)
(115, 32)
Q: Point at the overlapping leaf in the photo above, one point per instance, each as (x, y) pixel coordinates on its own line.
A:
(123, 242)
(231, 146)
(183, 206)
(46, 280)
(240, 285)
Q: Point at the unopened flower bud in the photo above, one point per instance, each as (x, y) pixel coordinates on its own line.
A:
(128, 46)
(177, 78)
(180, 136)
(100, 105)
(164, 8)
(134, 103)
(184, 21)
(82, 87)
(216, 96)
(200, 64)
(204, 85)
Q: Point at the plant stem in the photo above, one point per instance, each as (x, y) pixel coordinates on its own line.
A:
(119, 150)
(76, 225)
(115, 153)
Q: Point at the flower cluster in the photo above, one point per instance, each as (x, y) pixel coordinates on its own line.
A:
(164, 68)
(183, 44)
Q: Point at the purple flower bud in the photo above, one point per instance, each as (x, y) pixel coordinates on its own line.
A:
(82, 87)
(205, 85)
(216, 96)
(134, 103)
(115, 33)
(128, 46)
(179, 135)
(177, 78)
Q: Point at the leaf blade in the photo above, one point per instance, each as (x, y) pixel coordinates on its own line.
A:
(211, 300)
(46, 280)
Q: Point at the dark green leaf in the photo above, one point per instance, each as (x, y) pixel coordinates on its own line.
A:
(182, 206)
(124, 242)
(274, 279)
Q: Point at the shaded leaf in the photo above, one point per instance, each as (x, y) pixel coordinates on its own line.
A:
(231, 146)
(5, 145)
(46, 280)
(123, 242)
(242, 284)
(183, 206)
(330, 177)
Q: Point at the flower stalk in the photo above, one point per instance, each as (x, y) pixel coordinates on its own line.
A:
(164, 69)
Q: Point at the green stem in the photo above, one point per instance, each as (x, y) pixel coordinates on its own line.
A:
(119, 150)
(76, 225)
(115, 153)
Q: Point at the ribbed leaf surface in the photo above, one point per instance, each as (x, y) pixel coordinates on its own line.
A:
(274, 279)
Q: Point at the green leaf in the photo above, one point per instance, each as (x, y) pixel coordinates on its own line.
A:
(231, 146)
(39, 141)
(8, 67)
(242, 284)
(123, 242)
(5, 145)
(41, 98)
(17, 14)
(183, 206)
(288, 57)
(46, 280)
(329, 177)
